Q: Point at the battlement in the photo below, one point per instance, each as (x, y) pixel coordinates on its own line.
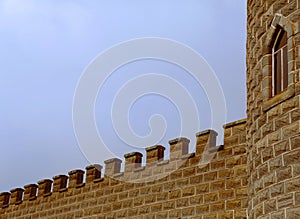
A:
(255, 174)
(207, 161)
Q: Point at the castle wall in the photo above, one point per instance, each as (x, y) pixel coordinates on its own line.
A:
(255, 174)
(273, 127)
(209, 183)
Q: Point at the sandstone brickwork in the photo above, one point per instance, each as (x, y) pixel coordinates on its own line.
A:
(255, 174)
(273, 127)
(209, 183)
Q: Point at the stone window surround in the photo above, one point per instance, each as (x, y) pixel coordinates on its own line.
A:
(270, 101)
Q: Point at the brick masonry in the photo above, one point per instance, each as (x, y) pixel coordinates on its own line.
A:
(255, 174)
(209, 183)
(273, 128)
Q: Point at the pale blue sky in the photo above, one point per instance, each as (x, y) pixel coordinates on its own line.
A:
(46, 45)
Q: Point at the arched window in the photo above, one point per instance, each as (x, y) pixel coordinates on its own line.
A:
(279, 62)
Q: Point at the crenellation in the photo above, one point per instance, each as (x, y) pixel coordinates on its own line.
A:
(44, 188)
(30, 192)
(206, 140)
(60, 183)
(112, 166)
(133, 161)
(93, 173)
(16, 196)
(178, 148)
(75, 178)
(255, 173)
(155, 154)
(4, 199)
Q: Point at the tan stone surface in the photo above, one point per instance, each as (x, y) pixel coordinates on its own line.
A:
(255, 174)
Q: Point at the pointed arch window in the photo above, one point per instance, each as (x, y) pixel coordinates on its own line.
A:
(279, 80)
(279, 62)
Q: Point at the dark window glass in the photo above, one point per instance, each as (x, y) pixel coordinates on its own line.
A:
(280, 62)
(285, 67)
(277, 77)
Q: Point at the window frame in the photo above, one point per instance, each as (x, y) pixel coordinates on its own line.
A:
(282, 76)
(270, 100)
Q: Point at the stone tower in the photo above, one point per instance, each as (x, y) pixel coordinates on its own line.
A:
(273, 91)
(254, 175)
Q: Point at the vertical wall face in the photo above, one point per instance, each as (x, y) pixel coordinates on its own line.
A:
(256, 173)
(209, 183)
(273, 121)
